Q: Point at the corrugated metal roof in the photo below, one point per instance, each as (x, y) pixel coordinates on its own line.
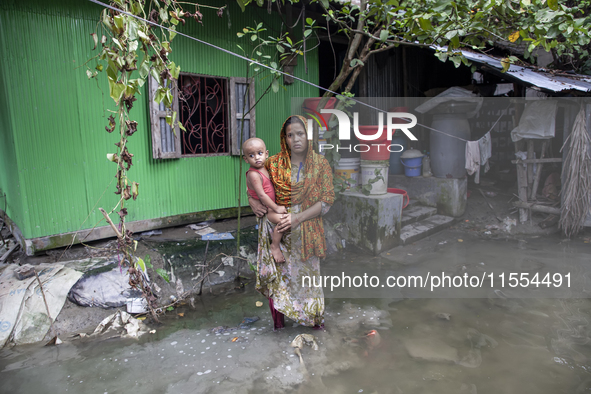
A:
(536, 77)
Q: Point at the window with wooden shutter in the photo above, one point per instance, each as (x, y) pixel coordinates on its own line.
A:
(242, 97)
(211, 109)
(166, 141)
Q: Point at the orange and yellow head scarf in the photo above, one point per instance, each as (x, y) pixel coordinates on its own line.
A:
(315, 186)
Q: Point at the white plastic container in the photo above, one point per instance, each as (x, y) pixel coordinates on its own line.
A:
(137, 305)
(368, 172)
(348, 168)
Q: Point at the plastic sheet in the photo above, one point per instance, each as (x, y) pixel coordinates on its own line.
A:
(23, 314)
(537, 121)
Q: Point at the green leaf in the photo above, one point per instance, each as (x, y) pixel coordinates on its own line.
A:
(383, 35)
(309, 21)
(148, 261)
(116, 89)
(143, 36)
(119, 22)
(170, 119)
(425, 24)
(141, 264)
(181, 126)
(242, 4)
(441, 56)
(356, 62)
(106, 19)
(451, 34)
(170, 308)
(136, 8)
(275, 85)
(172, 33)
(132, 29)
(280, 48)
(553, 5)
(457, 61)
(325, 3)
(307, 32)
(163, 15)
(155, 75)
(506, 63)
(174, 70)
(163, 274)
(160, 94)
(116, 41)
(168, 99)
(133, 45)
(144, 69)
(112, 69)
(253, 37)
(273, 64)
(240, 35)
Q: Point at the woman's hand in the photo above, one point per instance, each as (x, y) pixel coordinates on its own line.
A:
(257, 207)
(285, 224)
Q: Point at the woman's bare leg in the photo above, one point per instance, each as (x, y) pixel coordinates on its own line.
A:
(276, 238)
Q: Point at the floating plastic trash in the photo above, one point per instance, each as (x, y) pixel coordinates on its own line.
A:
(216, 236)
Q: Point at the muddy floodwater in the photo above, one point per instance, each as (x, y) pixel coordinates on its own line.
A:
(454, 343)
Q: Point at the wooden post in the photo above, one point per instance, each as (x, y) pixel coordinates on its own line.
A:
(537, 207)
(530, 166)
(521, 187)
(534, 189)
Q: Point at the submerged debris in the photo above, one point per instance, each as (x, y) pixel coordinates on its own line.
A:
(298, 343)
(443, 316)
(123, 323)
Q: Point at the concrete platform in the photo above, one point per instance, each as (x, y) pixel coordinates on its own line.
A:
(447, 195)
(419, 230)
(373, 222)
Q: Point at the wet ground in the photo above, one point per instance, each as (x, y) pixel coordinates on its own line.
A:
(454, 343)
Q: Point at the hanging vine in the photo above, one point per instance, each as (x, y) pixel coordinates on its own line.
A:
(135, 42)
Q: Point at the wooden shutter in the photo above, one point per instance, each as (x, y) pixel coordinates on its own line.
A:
(240, 102)
(166, 142)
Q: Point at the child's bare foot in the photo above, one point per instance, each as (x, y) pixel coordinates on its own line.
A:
(275, 249)
(277, 254)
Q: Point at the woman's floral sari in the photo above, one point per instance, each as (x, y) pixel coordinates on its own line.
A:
(304, 245)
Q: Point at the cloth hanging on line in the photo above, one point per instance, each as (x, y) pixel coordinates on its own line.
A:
(485, 146)
(478, 153)
(473, 159)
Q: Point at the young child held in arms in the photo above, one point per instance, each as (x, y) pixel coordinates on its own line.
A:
(259, 186)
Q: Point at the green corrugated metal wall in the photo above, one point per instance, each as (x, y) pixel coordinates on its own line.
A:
(53, 165)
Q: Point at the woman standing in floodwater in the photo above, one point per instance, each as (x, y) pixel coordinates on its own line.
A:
(303, 183)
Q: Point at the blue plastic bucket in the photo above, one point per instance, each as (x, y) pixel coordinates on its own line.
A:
(412, 166)
(396, 168)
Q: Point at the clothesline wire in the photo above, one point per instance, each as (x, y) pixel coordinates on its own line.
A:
(260, 64)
